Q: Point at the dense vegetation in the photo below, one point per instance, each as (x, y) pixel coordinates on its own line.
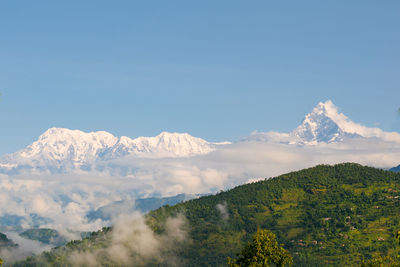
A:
(327, 215)
(263, 250)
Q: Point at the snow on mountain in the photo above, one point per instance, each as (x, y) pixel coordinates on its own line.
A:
(164, 145)
(325, 124)
(60, 149)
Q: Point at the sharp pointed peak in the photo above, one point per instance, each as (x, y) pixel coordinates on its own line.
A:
(324, 123)
(327, 108)
(326, 103)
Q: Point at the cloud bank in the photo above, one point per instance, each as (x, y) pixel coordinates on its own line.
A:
(66, 198)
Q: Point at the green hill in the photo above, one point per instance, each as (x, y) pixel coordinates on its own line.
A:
(325, 215)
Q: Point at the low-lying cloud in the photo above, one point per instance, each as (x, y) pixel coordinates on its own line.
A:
(223, 210)
(65, 199)
(132, 242)
(24, 249)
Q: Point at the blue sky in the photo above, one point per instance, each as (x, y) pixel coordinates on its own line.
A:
(216, 69)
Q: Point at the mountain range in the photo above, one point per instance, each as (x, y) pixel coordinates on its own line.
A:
(60, 150)
(64, 150)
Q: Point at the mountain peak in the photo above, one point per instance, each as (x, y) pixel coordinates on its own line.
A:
(327, 108)
(325, 124)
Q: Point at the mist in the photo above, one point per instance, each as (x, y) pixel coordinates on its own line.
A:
(24, 249)
(133, 242)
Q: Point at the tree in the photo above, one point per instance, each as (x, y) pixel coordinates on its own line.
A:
(262, 251)
(383, 261)
(379, 261)
(398, 236)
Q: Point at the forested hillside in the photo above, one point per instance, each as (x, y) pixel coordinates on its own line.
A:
(325, 215)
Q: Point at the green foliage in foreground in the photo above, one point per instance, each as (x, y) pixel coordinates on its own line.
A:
(383, 261)
(262, 251)
(337, 215)
(379, 261)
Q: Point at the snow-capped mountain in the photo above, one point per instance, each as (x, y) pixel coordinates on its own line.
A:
(64, 175)
(164, 145)
(62, 146)
(325, 124)
(60, 149)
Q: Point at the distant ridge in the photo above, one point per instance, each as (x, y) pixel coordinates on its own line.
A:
(395, 169)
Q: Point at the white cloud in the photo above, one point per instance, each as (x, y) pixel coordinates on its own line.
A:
(223, 210)
(351, 127)
(66, 198)
(25, 248)
(134, 243)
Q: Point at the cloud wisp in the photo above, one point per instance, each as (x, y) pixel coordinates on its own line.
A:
(223, 210)
(132, 241)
